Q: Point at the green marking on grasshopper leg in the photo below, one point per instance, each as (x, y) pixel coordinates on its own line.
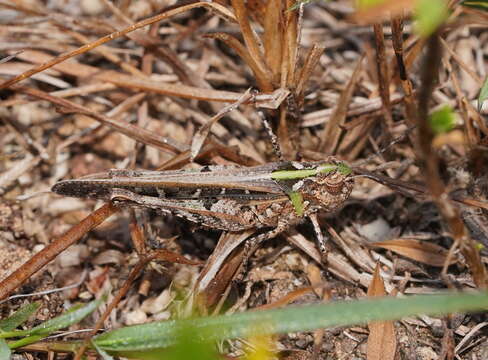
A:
(296, 199)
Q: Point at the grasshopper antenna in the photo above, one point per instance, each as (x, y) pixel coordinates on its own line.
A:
(387, 147)
(274, 139)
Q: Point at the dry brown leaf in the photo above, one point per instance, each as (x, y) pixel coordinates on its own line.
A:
(381, 340)
(315, 278)
(455, 137)
(171, 256)
(376, 287)
(287, 299)
(422, 251)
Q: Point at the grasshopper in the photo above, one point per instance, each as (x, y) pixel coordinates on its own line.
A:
(231, 198)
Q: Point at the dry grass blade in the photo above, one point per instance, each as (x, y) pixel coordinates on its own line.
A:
(108, 54)
(462, 64)
(289, 116)
(262, 77)
(171, 256)
(179, 90)
(337, 264)
(75, 91)
(273, 100)
(152, 44)
(20, 168)
(288, 298)
(311, 61)
(382, 71)
(382, 342)
(218, 271)
(135, 83)
(414, 51)
(397, 40)
(369, 107)
(132, 131)
(37, 10)
(252, 44)
(209, 151)
(202, 133)
(331, 134)
(9, 57)
(292, 45)
(422, 251)
(273, 38)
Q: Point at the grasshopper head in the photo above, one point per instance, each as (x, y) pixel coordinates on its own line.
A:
(328, 190)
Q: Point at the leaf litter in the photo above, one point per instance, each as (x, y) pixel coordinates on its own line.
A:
(170, 86)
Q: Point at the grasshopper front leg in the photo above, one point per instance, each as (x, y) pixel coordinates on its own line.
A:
(321, 240)
(253, 243)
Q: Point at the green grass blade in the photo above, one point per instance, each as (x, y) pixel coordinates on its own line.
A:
(158, 335)
(483, 93)
(103, 353)
(4, 350)
(18, 317)
(25, 341)
(65, 320)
